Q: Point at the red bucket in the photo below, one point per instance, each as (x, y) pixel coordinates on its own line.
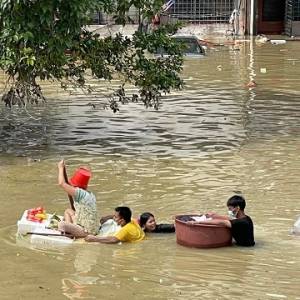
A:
(201, 235)
(81, 178)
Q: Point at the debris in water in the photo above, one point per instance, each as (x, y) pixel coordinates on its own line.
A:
(276, 296)
(251, 84)
(261, 39)
(278, 42)
(92, 105)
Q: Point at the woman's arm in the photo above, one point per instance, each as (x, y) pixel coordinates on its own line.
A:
(61, 179)
(216, 216)
(225, 223)
(164, 228)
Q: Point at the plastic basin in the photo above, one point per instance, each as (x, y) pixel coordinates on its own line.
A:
(201, 235)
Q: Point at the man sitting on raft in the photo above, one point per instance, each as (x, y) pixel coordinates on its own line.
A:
(241, 225)
(130, 230)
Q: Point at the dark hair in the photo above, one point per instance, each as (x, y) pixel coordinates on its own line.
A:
(124, 213)
(144, 217)
(237, 200)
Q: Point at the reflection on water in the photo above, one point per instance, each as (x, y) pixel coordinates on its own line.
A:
(77, 287)
(214, 138)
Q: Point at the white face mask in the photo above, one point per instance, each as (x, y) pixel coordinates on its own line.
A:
(231, 214)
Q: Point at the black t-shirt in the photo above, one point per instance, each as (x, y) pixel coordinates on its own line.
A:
(164, 228)
(242, 231)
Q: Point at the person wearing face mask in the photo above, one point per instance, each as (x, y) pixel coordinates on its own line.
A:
(130, 230)
(241, 225)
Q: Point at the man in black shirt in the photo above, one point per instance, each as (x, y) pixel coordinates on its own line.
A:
(241, 225)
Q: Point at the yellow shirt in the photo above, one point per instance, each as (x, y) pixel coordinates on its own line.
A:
(131, 232)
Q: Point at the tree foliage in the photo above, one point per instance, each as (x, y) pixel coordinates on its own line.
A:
(47, 40)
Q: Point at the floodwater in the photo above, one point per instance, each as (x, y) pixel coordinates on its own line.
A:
(214, 138)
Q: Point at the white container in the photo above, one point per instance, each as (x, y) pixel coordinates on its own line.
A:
(43, 241)
(278, 42)
(25, 226)
(48, 240)
(40, 235)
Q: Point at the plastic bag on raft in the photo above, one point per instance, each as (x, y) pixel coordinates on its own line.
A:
(296, 227)
(110, 227)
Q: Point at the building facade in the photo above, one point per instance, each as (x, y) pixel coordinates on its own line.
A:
(245, 16)
(250, 16)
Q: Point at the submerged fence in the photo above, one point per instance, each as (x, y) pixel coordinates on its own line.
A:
(203, 11)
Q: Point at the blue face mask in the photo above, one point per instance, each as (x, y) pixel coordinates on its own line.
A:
(232, 214)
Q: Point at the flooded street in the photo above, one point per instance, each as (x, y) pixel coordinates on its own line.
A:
(206, 142)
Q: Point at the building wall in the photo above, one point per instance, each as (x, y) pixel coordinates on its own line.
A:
(292, 18)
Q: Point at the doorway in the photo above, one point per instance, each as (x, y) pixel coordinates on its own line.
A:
(271, 15)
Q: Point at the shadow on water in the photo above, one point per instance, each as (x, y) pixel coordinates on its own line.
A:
(215, 112)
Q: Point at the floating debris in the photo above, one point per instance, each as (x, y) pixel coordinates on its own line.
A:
(251, 84)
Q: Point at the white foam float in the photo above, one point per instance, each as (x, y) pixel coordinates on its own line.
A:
(40, 233)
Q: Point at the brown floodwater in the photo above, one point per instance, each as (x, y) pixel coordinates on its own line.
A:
(214, 138)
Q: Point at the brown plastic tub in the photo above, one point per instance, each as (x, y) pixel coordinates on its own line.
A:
(201, 235)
